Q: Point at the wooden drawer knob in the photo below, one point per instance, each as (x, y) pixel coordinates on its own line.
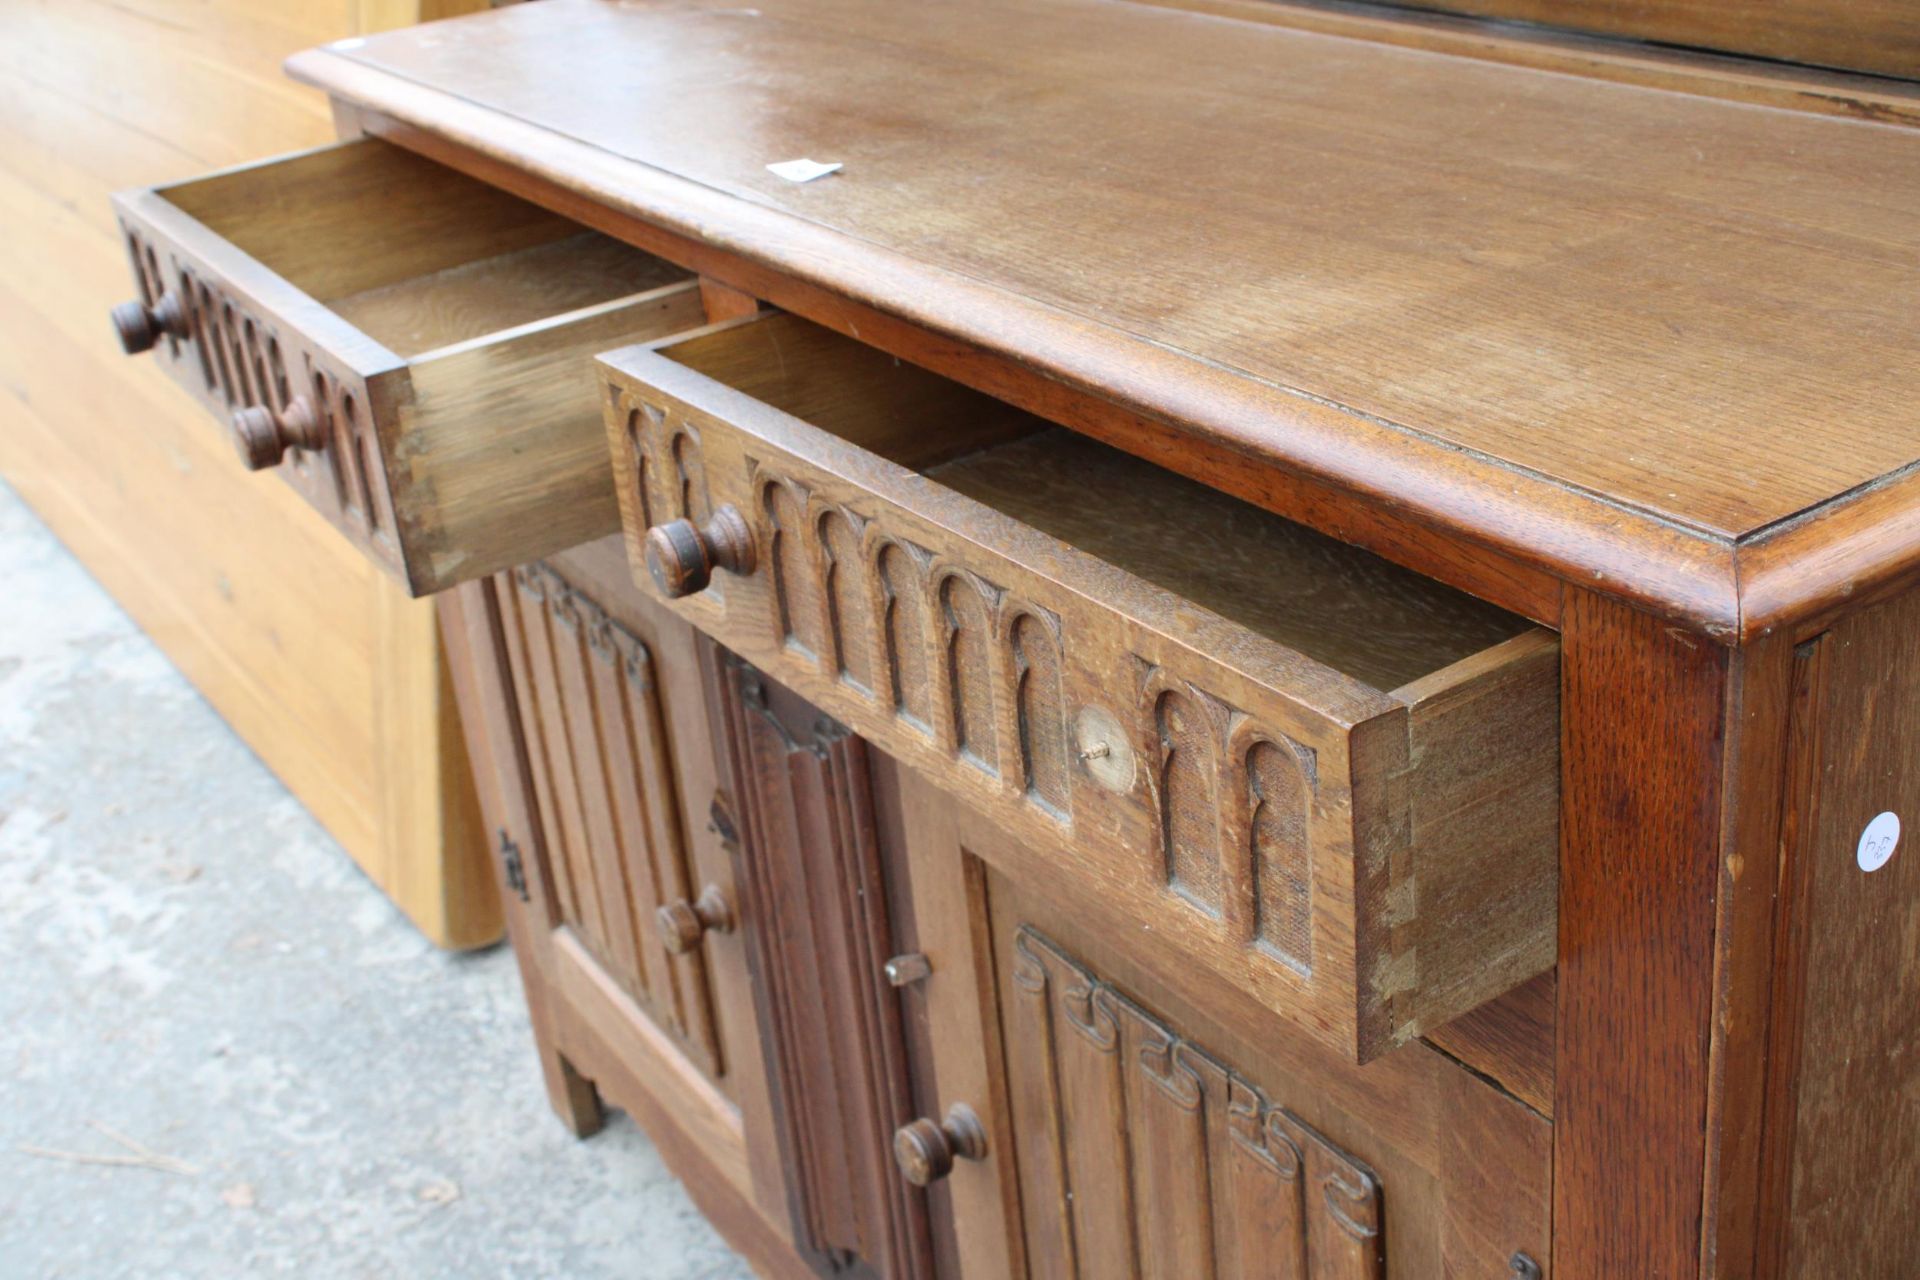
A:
(140, 325)
(925, 1151)
(683, 924)
(682, 556)
(263, 436)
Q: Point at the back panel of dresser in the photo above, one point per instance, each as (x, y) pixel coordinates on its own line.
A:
(1878, 36)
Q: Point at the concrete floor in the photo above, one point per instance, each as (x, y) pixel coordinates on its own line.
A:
(188, 961)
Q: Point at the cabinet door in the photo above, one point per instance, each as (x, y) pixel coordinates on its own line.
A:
(1142, 1124)
(597, 780)
(818, 845)
(590, 696)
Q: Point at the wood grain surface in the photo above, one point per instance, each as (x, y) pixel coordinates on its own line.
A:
(1870, 35)
(1628, 291)
(1581, 323)
(1845, 1085)
(1643, 729)
(1795, 86)
(1339, 605)
(440, 308)
(340, 220)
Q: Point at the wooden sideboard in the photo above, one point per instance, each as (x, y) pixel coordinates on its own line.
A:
(1262, 641)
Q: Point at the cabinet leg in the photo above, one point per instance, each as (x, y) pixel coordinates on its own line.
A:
(572, 1096)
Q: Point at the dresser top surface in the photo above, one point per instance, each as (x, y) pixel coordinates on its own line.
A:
(1691, 314)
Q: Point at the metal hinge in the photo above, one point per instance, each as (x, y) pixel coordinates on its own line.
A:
(720, 822)
(511, 866)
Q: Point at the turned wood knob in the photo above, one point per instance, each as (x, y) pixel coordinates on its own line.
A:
(683, 924)
(925, 1151)
(140, 325)
(263, 436)
(682, 556)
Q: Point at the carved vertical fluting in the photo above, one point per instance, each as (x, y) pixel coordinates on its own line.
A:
(903, 581)
(1143, 1155)
(1040, 709)
(514, 592)
(1094, 1130)
(605, 796)
(849, 607)
(1262, 1193)
(966, 616)
(612, 935)
(1188, 755)
(813, 911)
(621, 686)
(640, 421)
(544, 712)
(1168, 1119)
(647, 805)
(1278, 796)
(689, 476)
(792, 562)
(1343, 1208)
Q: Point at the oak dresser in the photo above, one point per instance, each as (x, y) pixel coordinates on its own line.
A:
(1261, 640)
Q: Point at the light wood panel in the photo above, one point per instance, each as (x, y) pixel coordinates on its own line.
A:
(313, 656)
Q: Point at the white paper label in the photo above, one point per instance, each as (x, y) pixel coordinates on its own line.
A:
(802, 170)
(1877, 842)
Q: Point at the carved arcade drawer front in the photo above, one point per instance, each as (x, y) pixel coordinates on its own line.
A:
(406, 346)
(1308, 773)
(611, 837)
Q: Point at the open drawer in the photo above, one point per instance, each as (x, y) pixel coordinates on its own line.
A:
(1317, 776)
(409, 347)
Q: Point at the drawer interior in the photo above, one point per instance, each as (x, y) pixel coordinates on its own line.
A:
(410, 348)
(1342, 606)
(411, 253)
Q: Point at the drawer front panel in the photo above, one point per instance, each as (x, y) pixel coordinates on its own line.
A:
(407, 347)
(603, 783)
(1276, 821)
(235, 350)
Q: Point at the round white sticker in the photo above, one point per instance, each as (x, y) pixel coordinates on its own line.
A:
(1877, 842)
